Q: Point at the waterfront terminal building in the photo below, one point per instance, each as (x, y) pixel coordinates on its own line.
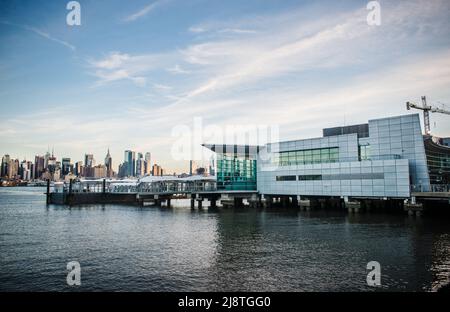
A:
(385, 163)
(384, 158)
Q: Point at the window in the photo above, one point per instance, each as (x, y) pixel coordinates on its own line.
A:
(306, 157)
(236, 173)
(312, 177)
(316, 156)
(334, 154)
(300, 157)
(324, 155)
(364, 152)
(286, 178)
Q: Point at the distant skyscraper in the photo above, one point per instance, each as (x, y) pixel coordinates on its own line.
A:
(130, 161)
(51, 164)
(100, 171)
(140, 165)
(78, 168)
(108, 164)
(66, 166)
(46, 157)
(122, 171)
(13, 168)
(148, 164)
(5, 163)
(89, 160)
(25, 170)
(192, 167)
(157, 170)
(39, 166)
(89, 163)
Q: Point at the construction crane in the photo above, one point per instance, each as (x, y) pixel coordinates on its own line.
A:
(426, 112)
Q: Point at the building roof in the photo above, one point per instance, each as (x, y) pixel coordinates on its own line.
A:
(238, 150)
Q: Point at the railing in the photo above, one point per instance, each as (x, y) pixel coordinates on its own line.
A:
(160, 187)
(434, 188)
(177, 187)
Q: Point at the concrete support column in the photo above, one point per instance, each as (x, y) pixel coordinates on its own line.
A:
(295, 201)
(260, 201)
(322, 203)
(168, 202)
(413, 208)
(192, 203)
(305, 204)
(353, 206)
(213, 203)
(199, 203)
(268, 201)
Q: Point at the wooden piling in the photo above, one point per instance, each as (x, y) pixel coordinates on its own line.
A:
(48, 191)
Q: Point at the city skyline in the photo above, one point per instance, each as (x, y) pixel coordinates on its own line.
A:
(49, 166)
(127, 76)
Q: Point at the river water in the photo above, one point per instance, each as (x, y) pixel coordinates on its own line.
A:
(131, 248)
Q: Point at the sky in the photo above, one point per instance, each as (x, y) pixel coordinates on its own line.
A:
(143, 74)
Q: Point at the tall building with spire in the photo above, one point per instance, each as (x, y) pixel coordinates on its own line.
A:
(108, 164)
(46, 157)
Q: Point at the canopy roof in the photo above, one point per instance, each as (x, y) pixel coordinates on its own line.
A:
(237, 150)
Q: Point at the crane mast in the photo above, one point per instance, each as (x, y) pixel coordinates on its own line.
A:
(426, 112)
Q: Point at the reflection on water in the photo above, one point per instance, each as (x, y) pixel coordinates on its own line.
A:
(176, 249)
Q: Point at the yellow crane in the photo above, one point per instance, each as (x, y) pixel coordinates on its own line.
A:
(426, 112)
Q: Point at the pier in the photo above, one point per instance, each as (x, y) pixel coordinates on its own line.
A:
(203, 192)
(148, 191)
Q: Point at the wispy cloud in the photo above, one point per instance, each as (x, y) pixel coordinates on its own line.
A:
(274, 47)
(237, 31)
(144, 11)
(118, 66)
(41, 33)
(177, 70)
(161, 87)
(292, 44)
(196, 29)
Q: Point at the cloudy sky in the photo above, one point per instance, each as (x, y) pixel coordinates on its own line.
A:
(133, 72)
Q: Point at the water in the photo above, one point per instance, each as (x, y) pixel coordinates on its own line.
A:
(130, 248)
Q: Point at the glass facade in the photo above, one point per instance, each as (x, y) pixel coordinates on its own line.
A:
(438, 161)
(236, 172)
(305, 157)
(438, 167)
(364, 152)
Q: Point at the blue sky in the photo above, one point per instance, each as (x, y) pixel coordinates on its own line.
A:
(134, 71)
